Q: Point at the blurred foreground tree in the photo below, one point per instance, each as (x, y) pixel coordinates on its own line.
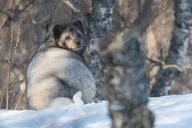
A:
(128, 94)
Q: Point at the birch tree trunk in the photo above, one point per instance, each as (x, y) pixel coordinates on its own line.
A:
(100, 24)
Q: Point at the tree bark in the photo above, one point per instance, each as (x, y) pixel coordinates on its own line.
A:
(100, 24)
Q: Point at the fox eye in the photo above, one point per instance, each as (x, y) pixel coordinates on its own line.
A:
(64, 44)
(68, 38)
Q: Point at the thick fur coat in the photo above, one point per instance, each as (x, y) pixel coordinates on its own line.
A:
(59, 71)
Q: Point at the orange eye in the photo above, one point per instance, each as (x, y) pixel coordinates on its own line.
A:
(67, 38)
(64, 44)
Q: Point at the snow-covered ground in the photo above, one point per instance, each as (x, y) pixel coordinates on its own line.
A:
(171, 112)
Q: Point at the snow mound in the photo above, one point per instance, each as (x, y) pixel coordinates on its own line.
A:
(170, 111)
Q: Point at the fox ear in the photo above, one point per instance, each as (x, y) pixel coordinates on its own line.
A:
(78, 24)
(57, 31)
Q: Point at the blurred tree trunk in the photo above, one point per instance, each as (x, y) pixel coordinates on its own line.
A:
(128, 94)
(178, 48)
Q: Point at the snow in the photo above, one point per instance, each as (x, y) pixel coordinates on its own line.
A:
(170, 111)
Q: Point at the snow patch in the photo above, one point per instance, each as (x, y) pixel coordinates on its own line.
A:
(170, 111)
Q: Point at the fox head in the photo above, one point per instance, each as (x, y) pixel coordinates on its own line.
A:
(70, 36)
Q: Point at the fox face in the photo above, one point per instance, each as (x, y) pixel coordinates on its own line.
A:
(70, 36)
